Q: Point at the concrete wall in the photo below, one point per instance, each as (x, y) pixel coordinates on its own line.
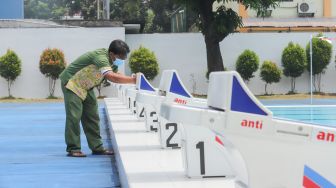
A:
(183, 52)
(29, 44)
(186, 53)
(11, 9)
(270, 47)
(333, 8)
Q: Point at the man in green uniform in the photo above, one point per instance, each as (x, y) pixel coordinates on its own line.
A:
(78, 81)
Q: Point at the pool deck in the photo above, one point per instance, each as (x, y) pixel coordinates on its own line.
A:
(140, 160)
(33, 151)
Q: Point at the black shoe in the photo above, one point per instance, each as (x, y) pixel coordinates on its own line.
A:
(103, 152)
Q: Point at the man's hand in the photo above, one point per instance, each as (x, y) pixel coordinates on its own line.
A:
(119, 78)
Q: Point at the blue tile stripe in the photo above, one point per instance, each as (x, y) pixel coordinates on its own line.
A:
(33, 150)
(177, 87)
(317, 178)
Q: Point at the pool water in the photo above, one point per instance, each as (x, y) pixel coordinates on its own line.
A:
(322, 112)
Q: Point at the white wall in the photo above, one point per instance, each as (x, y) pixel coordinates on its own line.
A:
(333, 9)
(186, 53)
(270, 47)
(183, 52)
(29, 44)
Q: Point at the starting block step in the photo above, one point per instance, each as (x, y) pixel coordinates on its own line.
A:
(141, 161)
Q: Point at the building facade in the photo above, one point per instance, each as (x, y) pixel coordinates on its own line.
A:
(292, 9)
(11, 9)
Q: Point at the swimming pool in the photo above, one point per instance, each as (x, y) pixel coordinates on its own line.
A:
(322, 112)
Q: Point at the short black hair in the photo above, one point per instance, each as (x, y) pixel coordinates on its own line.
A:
(119, 47)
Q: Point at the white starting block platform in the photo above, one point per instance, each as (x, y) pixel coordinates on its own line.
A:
(141, 161)
(231, 137)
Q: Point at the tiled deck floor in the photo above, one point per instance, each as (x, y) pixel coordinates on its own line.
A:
(32, 150)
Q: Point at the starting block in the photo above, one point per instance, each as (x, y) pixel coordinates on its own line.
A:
(152, 100)
(171, 90)
(175, 92)
(138, 108)
(122, 88)
(130, 97)
(263, 152)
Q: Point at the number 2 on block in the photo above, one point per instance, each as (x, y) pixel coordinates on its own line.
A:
(174, 125)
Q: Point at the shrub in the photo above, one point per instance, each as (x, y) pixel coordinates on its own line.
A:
(270, 73)
(294, 61)
(322, 51)
(247, 63)
(10, 68)
(52, 63)
(143, 60)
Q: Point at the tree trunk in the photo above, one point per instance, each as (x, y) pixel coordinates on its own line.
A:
(9, 87)
(214, 56)
(314, 83)
(266, 89)
(319, 82)
(292, 84)
(52, 84)
(211, 36)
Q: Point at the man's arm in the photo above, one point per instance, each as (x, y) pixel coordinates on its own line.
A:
(119, 78)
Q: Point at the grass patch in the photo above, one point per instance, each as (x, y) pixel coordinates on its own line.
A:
(8, 98)
(52, 97)
(21, 100)
(199, 96)
(298, 96)
(287, 96)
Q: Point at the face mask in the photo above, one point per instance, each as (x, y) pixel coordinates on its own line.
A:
(118, 62)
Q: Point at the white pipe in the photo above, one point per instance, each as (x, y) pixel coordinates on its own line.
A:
(311, 69)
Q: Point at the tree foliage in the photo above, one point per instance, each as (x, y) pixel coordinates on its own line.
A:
(88, 8)
(270, 73)
(161, 20)
(52, 63)
(143, 60)
(154, 16)
(294, 61)
(10, 68)
(322, 51)
(218, 24)
(45, 9)
(132, 11)
(247, 63)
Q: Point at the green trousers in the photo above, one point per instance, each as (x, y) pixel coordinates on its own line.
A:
(85, 112)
